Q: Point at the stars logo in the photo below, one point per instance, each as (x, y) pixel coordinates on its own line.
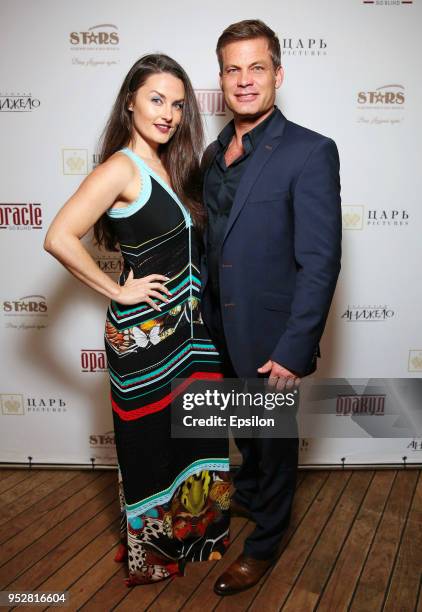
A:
(387, 95)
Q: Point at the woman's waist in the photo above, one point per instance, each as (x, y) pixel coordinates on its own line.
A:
(182, 309)
(173, 270)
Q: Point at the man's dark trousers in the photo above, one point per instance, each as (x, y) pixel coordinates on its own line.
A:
(265, 482)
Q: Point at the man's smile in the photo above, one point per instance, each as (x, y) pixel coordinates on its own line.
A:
(246, 97)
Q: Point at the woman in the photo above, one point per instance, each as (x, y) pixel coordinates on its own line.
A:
(144, 197)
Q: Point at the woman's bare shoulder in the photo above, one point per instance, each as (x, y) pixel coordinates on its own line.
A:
(118, 163)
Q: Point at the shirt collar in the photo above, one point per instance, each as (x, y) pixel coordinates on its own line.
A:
(253, 135)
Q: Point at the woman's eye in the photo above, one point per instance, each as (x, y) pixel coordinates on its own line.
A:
(179, 105)
(156, 100)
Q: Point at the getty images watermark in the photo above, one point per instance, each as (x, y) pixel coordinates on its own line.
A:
(249, 408)
(378, 408)
(241, 409)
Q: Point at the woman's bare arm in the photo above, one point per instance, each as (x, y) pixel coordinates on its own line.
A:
(100, 190)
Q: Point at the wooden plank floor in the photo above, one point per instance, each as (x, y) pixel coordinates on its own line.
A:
(354, 544)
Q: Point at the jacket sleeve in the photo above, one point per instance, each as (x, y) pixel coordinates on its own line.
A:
(317, 246)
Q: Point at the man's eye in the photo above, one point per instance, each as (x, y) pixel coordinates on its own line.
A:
(258, 68)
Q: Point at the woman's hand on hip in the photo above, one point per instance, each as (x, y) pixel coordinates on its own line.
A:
(144, 289)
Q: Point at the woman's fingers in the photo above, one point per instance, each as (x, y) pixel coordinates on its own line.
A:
(160, 287)
(152, 304)
(160, 296)
(155, 277)
(149, 287)
(150, 284)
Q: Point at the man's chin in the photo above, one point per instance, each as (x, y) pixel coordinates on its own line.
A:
(248, 113)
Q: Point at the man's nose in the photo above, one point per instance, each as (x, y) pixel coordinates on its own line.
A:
(244, 78)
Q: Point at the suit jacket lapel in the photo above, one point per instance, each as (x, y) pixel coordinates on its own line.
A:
(270, 140)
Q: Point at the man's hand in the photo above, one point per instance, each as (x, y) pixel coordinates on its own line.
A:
(279, 377)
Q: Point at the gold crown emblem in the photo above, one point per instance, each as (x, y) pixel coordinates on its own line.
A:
(416, 362)
(75, 164)
(12, 406)
(351, 219)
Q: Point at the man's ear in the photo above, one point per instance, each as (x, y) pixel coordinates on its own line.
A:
(220, 76)
(279, 76)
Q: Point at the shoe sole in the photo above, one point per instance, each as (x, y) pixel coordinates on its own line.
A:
(226, 593)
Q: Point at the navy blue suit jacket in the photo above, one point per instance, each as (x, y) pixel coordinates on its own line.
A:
(280, 257)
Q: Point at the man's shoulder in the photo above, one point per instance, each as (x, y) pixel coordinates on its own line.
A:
(304, 135)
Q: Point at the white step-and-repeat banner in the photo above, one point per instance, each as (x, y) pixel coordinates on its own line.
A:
(352, 72)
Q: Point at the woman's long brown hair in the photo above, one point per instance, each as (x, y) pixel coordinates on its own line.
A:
(180, 156)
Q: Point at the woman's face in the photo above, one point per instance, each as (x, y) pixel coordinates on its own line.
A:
(157, 108)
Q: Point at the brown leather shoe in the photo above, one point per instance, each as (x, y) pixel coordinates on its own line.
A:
(237, 509)
(243, 574)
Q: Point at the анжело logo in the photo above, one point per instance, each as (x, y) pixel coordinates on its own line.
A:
(18, 103)
(376, 313)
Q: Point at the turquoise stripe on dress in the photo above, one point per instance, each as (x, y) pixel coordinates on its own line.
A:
(144, 194)
(220, 464)
(141, 164)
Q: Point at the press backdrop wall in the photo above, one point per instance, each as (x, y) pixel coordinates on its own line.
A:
(352, 72)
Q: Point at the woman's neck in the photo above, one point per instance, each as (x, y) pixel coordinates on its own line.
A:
(143, 148)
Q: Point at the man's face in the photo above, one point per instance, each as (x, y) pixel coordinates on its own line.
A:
(248, 78)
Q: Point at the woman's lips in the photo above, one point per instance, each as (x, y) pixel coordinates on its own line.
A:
(164, 129)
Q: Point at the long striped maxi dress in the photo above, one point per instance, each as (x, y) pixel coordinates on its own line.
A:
(174, 493)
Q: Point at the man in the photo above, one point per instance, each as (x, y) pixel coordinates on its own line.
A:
(273, 247)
